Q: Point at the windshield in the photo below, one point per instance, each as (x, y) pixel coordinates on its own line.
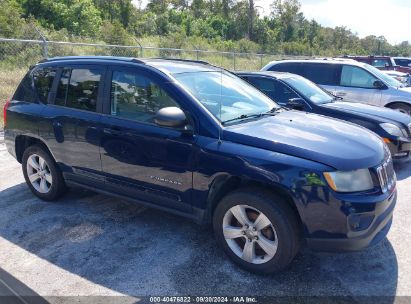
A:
(384, 77)
(403, 62)
(309, 90)
(225, 95)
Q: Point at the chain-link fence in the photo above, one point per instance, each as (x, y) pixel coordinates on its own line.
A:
(16, 55)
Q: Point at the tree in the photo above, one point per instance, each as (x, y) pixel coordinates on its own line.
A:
(286, 11)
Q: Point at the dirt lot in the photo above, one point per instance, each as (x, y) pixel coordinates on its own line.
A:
(91, 244)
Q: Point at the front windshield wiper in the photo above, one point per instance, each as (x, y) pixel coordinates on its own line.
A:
(271, 112)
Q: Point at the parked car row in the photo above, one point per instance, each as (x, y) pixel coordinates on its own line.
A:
(201, 142)
(298, 93)
(398, 67)
(351, 80)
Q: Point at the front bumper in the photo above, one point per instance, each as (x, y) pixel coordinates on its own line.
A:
(377, 223)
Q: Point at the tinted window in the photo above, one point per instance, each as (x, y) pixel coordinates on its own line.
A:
(290, 67)
(321, 73)
(78, 89)
(136, 97)
(273, 88)
(62, 88)
(403, 62)
(263, 84)
(43, 80)
(380, 63)
(352, 76)
(25, 91)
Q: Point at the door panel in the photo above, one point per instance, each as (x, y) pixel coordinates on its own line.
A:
(138, 157)
(72, 124)
(357, 85)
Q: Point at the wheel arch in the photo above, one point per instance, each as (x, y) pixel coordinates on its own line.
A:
(391, 103)
(224, 184)
(22, 142)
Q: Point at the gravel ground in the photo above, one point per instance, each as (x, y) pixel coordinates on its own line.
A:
(91, 244)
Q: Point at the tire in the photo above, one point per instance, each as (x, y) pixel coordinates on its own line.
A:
(47, 181)
(283, 231)
(401, 107)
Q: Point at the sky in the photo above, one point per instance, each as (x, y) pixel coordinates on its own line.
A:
(389, 18)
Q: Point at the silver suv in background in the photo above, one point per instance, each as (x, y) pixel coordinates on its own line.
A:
(352, 81)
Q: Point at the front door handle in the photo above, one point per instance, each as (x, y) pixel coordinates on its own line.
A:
(340, 94)
(112, 131)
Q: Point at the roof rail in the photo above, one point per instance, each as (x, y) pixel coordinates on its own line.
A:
(129, 59)
(183, 60)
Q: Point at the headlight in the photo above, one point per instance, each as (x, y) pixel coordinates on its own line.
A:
(349, 181)
(392, 129)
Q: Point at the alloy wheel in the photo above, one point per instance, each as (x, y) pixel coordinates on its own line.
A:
(250, 234)
(38, 173)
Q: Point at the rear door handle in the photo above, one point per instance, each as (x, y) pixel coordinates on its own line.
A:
(112, 131)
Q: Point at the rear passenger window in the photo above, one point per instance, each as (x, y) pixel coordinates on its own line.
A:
(78, 89)
(136, 97)
(320, 73)
(43, 80)
(272, 88)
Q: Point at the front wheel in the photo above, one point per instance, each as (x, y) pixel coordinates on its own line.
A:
(42, 174)
(257, 230)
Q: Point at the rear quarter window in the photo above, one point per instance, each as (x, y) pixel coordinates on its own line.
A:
(36, 85)
(321, 73)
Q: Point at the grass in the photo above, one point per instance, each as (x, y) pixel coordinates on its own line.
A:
(9, 80)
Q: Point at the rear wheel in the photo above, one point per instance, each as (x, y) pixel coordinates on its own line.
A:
(401, 107)
(257, 230)
(42, 174)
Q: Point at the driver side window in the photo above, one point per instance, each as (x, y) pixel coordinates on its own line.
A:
(352, 76)
(136, 97)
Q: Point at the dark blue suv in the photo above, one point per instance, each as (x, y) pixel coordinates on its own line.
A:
(198, 141)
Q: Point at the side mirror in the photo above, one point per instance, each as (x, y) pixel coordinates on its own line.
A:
(378, 84)
(171, 117)
(296, 104)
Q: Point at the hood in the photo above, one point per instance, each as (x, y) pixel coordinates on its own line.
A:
(373, 112)
(335, 143)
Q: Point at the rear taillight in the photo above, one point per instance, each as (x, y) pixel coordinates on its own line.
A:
(5, 112)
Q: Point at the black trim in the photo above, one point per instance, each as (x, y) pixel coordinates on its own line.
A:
(196, 216)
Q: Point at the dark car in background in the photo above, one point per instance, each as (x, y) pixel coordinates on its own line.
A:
(198, 141)
(400, 64)
(296, 92)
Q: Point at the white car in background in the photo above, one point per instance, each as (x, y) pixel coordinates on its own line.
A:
(400, 76)
(351, 80)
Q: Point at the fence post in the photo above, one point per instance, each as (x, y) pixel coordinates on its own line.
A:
(261, 61)
(44, 43)
(197, 54)
(141, 47)
(45, 49)
(234, 60)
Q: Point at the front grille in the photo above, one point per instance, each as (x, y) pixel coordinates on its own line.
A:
(409, 128)
(386, 175)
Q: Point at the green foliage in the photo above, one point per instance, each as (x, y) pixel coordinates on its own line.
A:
(223, 25)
